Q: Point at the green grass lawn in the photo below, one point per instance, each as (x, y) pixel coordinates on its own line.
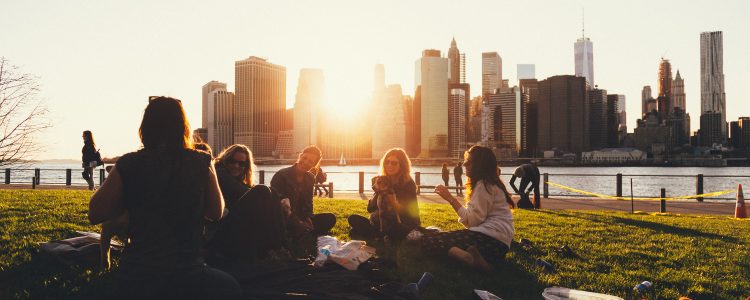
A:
(700, 257)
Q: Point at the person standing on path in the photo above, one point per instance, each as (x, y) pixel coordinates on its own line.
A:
(89, 159)
(446, 174)
(458, 171)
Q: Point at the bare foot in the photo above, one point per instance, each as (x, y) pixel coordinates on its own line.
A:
(479, 262)
(459, 254)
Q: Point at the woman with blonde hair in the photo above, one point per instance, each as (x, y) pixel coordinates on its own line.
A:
(396, 166)
(487, 216)
(254, 225)
(168, 189)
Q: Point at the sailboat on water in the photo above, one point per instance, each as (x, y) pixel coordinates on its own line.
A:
(342, 161)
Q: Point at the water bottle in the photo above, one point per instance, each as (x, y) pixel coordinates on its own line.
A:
(642, 287)
(546, 266)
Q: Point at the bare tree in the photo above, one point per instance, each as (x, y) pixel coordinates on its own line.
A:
(23, 115)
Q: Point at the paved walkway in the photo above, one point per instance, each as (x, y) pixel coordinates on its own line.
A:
(720, 208)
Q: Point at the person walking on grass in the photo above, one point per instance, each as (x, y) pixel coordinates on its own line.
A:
(486, 215)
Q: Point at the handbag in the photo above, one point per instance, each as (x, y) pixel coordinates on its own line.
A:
(98, 157)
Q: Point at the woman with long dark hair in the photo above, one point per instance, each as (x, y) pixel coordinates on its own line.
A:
(255, 224)
(168, 189)
(88, 158)
(395, 165)
(487, 216)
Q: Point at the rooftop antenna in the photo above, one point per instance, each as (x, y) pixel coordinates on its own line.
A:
(583, 23)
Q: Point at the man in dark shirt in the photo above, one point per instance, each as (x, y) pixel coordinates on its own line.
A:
(529, 173)
(458, 171)
(294, 185)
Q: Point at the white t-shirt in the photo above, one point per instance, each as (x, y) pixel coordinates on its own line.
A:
(488, 212)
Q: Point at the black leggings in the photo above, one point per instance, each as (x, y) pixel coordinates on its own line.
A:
(438, 244)
(253, 227)
(363, 227)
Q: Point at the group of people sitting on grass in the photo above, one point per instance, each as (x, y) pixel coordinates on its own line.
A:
(186, 208)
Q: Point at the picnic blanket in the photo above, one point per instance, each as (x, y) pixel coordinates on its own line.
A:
(299, 280)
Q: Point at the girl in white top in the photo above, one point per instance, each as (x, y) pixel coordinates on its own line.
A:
(487, 216)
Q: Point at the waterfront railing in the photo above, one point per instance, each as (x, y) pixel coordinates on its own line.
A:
(648, 185)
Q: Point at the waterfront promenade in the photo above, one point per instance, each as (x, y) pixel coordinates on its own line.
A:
(692, 207)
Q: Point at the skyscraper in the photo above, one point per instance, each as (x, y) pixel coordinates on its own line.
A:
(492, 72)
(584, 59)
(431, 72)
(260, 103)
(563, 114)
(526, 71)
(454, 56)
(598, 122)
(505, 123)
(220, 123)
(457, 122)
(307, 108)
(208, 88)
(645, 96)
(713, 98)
(389, 124)
(678, 92)
(664, 100)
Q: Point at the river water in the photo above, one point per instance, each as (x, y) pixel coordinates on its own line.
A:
(647, 181)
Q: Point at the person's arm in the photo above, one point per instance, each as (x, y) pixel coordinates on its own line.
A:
(447, 196)
(513, 184)
(107, 202)
(477, 209)
(409, 204)
(214, 198)
(307, 197)
(279, 185)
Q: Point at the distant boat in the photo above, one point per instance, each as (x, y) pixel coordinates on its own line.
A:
(342, 161)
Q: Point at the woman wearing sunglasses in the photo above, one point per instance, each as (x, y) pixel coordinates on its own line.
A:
(397, 167)
(254, 223)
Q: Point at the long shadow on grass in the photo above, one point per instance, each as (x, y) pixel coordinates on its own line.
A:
(45, 278)
(664, 228)
(455, 281)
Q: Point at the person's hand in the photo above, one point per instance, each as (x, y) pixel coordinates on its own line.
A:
(444, 192)
(286, 206)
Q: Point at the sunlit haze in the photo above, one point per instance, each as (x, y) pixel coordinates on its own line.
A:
(98, 61)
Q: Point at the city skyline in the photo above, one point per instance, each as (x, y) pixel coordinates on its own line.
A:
(124, 54)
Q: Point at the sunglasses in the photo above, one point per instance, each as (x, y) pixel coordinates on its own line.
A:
(241, 163)
(391, 163)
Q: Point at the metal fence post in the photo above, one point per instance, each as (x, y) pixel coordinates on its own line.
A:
(261, 177)
(7, 175)
(699, 186)
(68, 176)
(546, 186)
(37, 174)
(101, 177)
(33, 182)
(663, 201)
(417, 180)
(330, 189)
(361, 182)
(619, 184)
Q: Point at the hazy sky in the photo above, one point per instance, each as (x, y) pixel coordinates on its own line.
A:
(99, 60)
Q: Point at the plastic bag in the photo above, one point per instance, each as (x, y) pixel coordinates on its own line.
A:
(561, 293)
(326, 245)
(351, 254)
